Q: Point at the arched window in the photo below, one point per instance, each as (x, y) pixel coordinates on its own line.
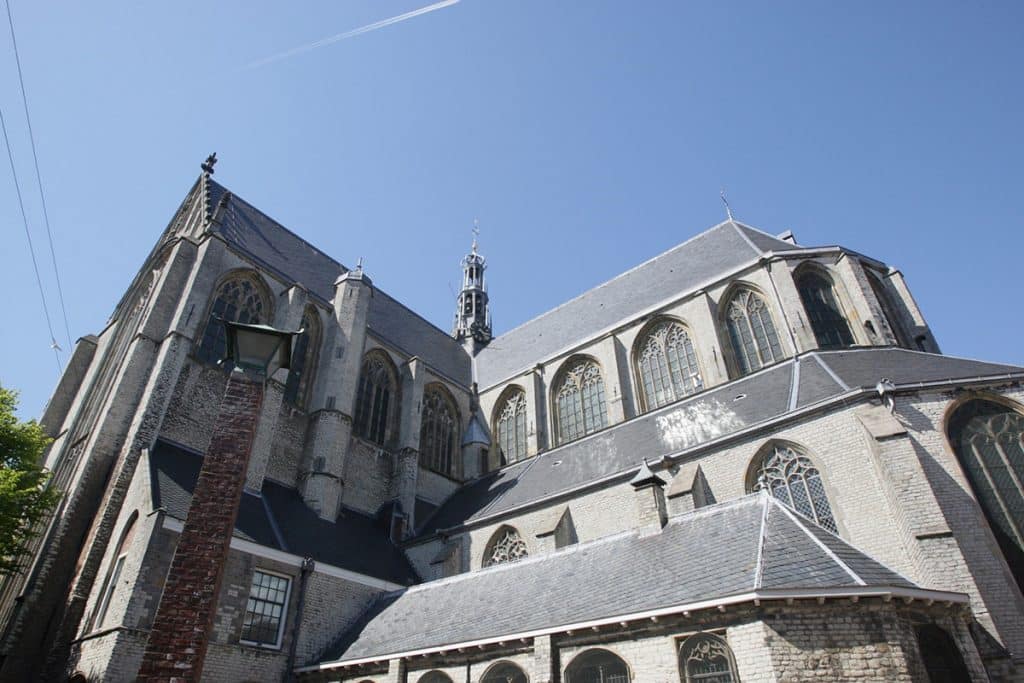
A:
(823, 311)
(989, 441)
(706, 658)
(597, 666)
(942, 658)
(304, 353)
(438, 429)
(504, 672)
(792, 478)
(506, 545)
(435, 677)
(510, 427)
(113, 577)
(376, 398)
(240, 299)
(579, 401)
(667, 365)
(888, 304)
(752, 331)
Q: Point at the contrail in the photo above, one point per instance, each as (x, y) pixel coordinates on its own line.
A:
(349, 34)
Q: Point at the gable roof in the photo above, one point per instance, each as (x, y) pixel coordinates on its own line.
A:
(279, 519)
(796, 383)
(753, 545)
(683, 268)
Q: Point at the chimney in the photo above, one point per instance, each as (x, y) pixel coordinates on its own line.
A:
(650, 500)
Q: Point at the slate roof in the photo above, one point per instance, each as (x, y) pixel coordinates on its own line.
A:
(678, 427)
(681, 269)
(281, 251)
(279, 519)
(752, 544)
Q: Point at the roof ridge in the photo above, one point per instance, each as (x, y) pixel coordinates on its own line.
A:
(821, 545)
(756, 229)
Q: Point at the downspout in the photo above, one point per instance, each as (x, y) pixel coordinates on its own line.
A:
(308, 564)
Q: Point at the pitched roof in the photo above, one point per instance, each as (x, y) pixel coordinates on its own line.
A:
(753, 544)
(681, 269)
(678, 427)
(279, 519)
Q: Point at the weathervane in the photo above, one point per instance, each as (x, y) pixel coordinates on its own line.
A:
(728, 209)
(208, 165)
(359, 265)
(476, 232)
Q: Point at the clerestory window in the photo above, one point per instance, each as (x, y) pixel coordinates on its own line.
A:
(439, 429)
(826, 317)
(755, 342)
(375, 398)
(579, 401)
(510, 427)
(667, 364)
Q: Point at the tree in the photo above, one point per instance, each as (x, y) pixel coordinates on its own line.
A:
(24, 497)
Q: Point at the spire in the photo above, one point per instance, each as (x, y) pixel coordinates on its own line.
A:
(473, 315)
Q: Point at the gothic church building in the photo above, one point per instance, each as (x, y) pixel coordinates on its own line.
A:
(743, 460)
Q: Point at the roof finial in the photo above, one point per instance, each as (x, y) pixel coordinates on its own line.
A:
(359, 265)
(208, 165)
(728, 209)
(476, 232)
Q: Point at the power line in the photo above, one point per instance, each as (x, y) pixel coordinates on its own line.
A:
(39, 178)
(31, 249)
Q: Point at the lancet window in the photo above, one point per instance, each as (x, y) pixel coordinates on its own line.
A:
(439, 428)
(826, 317)
(510, 427)
(303, 365)
(752, 331)
(597, 666)
(579, 401)
(375, 398)
(239, 299)
(888, 304)
(505, 546)
(706, 658)
(667, 364)
(792, 478)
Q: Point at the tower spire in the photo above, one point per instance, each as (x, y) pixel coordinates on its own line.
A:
(473, 315)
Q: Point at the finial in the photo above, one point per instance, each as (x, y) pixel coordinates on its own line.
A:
(476, 232)
(359, 265)
(208, 165)
(728, 209)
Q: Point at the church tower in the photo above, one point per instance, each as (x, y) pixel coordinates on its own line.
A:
(473, 315)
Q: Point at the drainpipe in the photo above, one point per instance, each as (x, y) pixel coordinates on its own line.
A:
(308, 565)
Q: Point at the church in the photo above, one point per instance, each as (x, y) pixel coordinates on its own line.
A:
(745, 459)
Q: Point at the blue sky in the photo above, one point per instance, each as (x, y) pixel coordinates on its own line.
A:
(585, 136)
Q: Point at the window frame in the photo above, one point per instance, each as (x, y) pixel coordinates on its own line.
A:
(391, 418)
(639, 346)
(730, 347)
(567, 373)
(766, 452)
(284, 610)
(690, 641)
(438, 389)
(814, 270)
(591, 652)
(297, 391)
(495, 538)
(266, 301)
(510, 393)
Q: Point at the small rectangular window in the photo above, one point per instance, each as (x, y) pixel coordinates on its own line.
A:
(266, 611)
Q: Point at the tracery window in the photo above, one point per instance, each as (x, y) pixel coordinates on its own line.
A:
(888, 305)
(375, 398)
(438, 429)
(304, 351)
(826, 317)
(505, 546)
(510, 427)
(942, 658)
(706, 658)
(667, 364)
(435, 677)
(579, 401)
(792, 478)
(597, 666)
(989, 441)
(752, 331)
(504, 672)
(239, 299)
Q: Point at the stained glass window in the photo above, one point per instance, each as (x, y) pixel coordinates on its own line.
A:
(506, 546)
(265, 610)
(827, 319)
(668, 365)
(597, 666)
(438, 429)
(792, 478)
(240, 300)
(504, 672)
(752, 331)
(304, 350)
(579, 401)
(510, 427)
(374, 399)
(989, 441)
(706, 658)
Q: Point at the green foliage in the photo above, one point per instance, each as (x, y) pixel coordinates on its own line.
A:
(24, 496)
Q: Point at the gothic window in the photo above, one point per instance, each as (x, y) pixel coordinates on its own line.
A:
(264, 618)
(438, 429)
(113, 578)
(597, 666)
(667, 365)
(942, 658)
(504, 672)
(435, 677)
(792, 478)
(510, 427)
(505, 546)
(706, 658)
(579, 401)
(827, 319)
(304, 352)
(239, 299)
(752, 331)
(888, 305)
(375, 398)
(989, 441)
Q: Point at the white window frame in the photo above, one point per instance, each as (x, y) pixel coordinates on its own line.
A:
(276, 645)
